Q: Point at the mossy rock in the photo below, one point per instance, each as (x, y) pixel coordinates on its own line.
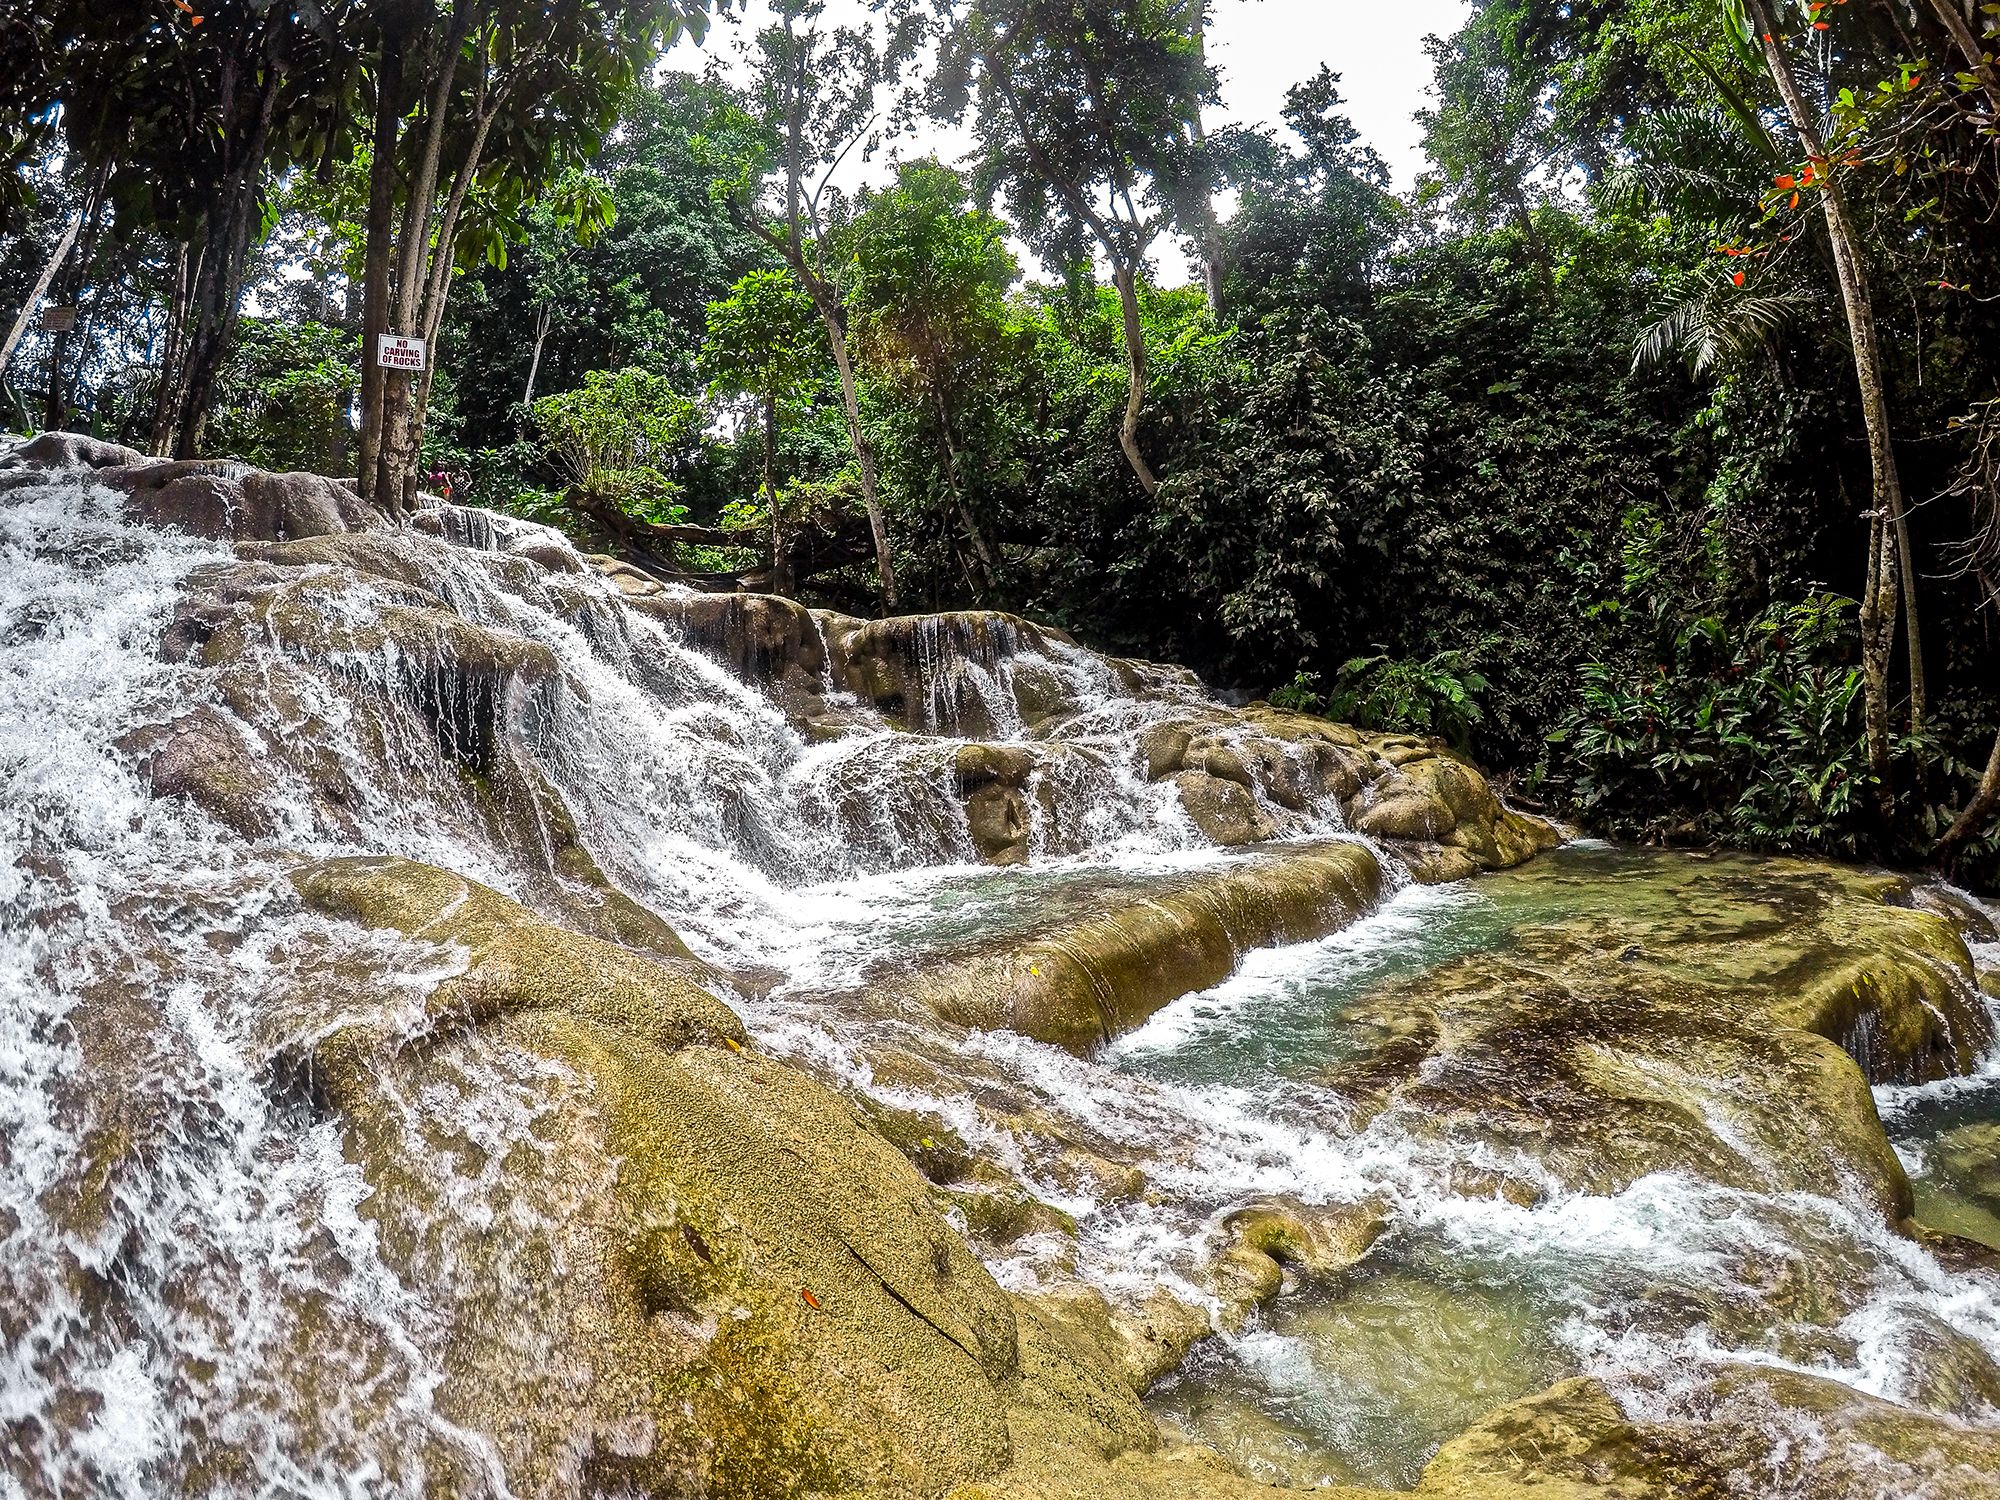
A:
(1721, 1017)
(1103, 973)
(700, 1271)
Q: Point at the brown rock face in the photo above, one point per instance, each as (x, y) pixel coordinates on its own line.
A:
(218, 499)
(759, 637)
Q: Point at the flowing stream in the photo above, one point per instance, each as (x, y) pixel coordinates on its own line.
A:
(177, 1221)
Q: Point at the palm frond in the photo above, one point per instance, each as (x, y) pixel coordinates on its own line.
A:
(1715, 327)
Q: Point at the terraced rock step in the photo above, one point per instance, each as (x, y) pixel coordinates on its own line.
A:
(1090, 975)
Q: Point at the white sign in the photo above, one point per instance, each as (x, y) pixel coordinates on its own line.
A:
(394, 352)
(58, 319)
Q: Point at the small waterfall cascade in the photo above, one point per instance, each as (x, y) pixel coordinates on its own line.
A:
(204, 1291)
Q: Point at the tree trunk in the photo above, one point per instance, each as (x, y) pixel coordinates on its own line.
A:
(73, 278)
(227, 224)
(1984, 804)
(1135, 379)
(375, 254)
(1210, 236)
(535, 359)
(980, 572)
(397, 461)
(436, 297)
(781, 572)
(27, 313)
(1862, 334)
(341, 437)
(1531, 239)
(166, 399)
(864, 451)
(1969, 46)
(1878, 629)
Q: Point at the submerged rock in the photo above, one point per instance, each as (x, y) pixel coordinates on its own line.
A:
(1574, 1439)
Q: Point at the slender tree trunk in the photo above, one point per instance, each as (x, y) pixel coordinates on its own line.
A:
(980, 572)
(1210, 236)
(1537, 247)
(375, 256)
(1868, 371)
(1126, 281)
(340, 439)
(1978, 812)
(535, 359)
(74, 277)
(166, 398)
(437, 295)
(864, 450)
(397, 462)
(228, 223)
(781, 572)
(1878, 629)
(1970, 48)
(49, 269)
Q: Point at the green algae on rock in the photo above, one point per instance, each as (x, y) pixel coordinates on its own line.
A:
(1101, 973)
(1746, 1006)
(748, 1291)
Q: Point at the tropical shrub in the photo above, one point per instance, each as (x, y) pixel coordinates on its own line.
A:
(1752, 736)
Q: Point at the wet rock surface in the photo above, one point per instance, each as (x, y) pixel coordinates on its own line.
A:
(491, 1021)
(1087, 977)
(1746, 1007)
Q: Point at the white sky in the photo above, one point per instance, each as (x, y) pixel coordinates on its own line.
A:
(1261, 48)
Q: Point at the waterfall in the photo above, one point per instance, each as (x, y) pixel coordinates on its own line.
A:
(202, 1293)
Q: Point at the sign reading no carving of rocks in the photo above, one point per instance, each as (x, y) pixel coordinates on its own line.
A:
(394, 352)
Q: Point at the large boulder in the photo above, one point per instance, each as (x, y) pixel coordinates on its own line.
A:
(943, 673)
(1225, 810)
(761, 638)
(219, 499)
(710, 1275)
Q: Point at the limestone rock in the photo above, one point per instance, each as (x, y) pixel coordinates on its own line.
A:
(1319, 1240)
(1224, 810)
(1094, 975)
(759, 637)
(1746, 988)
(205, 756)
(760, 1296)
(1143, 1344)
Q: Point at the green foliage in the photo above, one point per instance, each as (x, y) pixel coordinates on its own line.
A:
(623, 436)
(1085, 111)
(764, 340)
(1745, 735)
(281, 401)
(1566, 443)
(1438, 696)
(928, 281)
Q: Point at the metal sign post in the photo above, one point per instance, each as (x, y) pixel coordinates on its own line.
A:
(58, 319)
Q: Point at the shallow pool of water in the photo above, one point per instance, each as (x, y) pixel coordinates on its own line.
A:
(1471, 1300)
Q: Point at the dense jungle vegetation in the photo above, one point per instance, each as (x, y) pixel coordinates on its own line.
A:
(1649, 450)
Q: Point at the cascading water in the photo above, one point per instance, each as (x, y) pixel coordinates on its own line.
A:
(202, 1294)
